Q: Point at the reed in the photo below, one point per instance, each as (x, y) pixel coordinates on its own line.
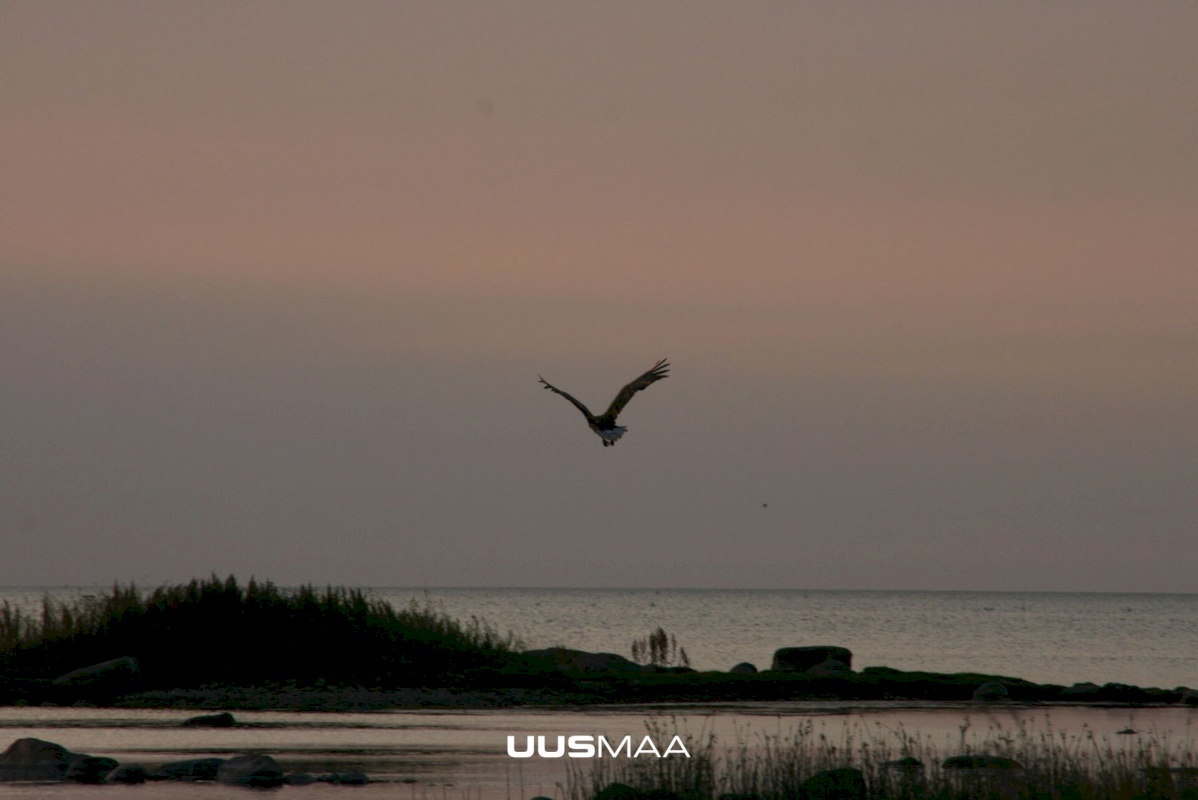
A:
(220, 632)
(660, 649)
(1053, 765)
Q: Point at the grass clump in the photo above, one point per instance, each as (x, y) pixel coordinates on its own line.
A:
(660, 649)
(1025, 763)
(219, 632)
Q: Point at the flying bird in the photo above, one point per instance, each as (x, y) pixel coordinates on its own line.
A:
(605, 425)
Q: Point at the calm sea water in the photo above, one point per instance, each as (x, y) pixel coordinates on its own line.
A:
(1150, 640)
(1141, 639)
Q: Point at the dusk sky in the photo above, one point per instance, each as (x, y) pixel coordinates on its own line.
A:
(277, 280)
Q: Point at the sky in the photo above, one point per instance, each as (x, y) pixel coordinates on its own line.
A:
(277, 281)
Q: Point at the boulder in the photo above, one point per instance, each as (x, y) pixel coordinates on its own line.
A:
(258, 771)
(1188, 697)
(115, 676)
(89, 769)
(801, 659)
(128, 774)
(221, 720)
(1080, 691)
(743, 668)
(991, 691)
(569, 660)
(830, 667)
(845, 783)
(193, 769)
(32, 759)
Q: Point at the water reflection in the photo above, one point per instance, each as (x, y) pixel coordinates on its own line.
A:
(462, 754)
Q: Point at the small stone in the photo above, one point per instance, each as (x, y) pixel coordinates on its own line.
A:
(221, 720)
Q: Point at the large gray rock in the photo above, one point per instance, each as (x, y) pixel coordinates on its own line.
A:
(801, 659)
(32, 759)
(258, 771)
(569, 660)
(115, 676)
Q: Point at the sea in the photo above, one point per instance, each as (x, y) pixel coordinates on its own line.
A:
(1062, 638)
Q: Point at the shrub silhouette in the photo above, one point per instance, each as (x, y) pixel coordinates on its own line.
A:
(213, 632)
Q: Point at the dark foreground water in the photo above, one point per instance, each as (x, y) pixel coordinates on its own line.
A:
(462, 755)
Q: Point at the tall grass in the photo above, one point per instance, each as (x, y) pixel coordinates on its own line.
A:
(1054, 765)
(217, 631)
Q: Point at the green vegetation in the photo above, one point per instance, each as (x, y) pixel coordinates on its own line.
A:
(217, 632)
(1040, 765)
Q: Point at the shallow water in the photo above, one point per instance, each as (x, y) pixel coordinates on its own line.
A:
(457, 755)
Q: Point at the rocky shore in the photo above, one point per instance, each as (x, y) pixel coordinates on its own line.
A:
(567, 677)
(31, 760)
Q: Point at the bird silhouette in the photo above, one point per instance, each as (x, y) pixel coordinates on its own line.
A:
(604, 425)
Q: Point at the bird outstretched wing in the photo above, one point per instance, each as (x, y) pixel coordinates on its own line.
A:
(660, 370)
(586, 412)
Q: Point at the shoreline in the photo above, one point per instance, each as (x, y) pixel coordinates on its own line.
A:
(873, 688)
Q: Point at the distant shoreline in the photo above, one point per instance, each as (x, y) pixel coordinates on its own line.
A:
(872, 687)
(354, 700)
